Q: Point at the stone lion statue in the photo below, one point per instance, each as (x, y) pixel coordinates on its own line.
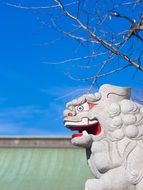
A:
(110, 126)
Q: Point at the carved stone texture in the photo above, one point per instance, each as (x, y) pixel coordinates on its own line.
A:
(110, 127)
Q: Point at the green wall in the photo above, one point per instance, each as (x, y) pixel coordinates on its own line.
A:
(43, 169)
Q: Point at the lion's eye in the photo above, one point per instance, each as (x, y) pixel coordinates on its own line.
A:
(83, 107)
(80, 108)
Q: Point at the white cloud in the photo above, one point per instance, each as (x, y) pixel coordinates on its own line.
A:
(9, 128)
(20, 112)
(66, 92)
(23, 120)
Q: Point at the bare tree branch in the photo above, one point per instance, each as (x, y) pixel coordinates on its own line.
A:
(100, 40)
(110, 33)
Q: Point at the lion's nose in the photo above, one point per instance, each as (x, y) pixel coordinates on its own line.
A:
(70, 114)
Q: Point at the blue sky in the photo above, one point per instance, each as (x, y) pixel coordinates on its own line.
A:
(33, 94)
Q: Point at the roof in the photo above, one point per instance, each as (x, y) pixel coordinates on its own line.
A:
(42, 168)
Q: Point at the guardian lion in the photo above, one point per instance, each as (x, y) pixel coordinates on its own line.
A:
(110, 126)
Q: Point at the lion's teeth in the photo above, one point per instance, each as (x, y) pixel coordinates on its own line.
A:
(85, 121)
(84, 133)
(93, 122)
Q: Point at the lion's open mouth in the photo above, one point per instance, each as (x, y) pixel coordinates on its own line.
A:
(84, 127)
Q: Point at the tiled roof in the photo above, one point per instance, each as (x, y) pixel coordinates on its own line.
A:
(42, 168)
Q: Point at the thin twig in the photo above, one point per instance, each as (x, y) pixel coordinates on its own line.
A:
(98, 76)
(20, 6)
(74, 59)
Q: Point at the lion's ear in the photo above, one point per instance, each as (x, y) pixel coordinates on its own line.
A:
(114, 93)
(116, 97)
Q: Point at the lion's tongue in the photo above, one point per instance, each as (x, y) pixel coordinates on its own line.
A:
(77, 135)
